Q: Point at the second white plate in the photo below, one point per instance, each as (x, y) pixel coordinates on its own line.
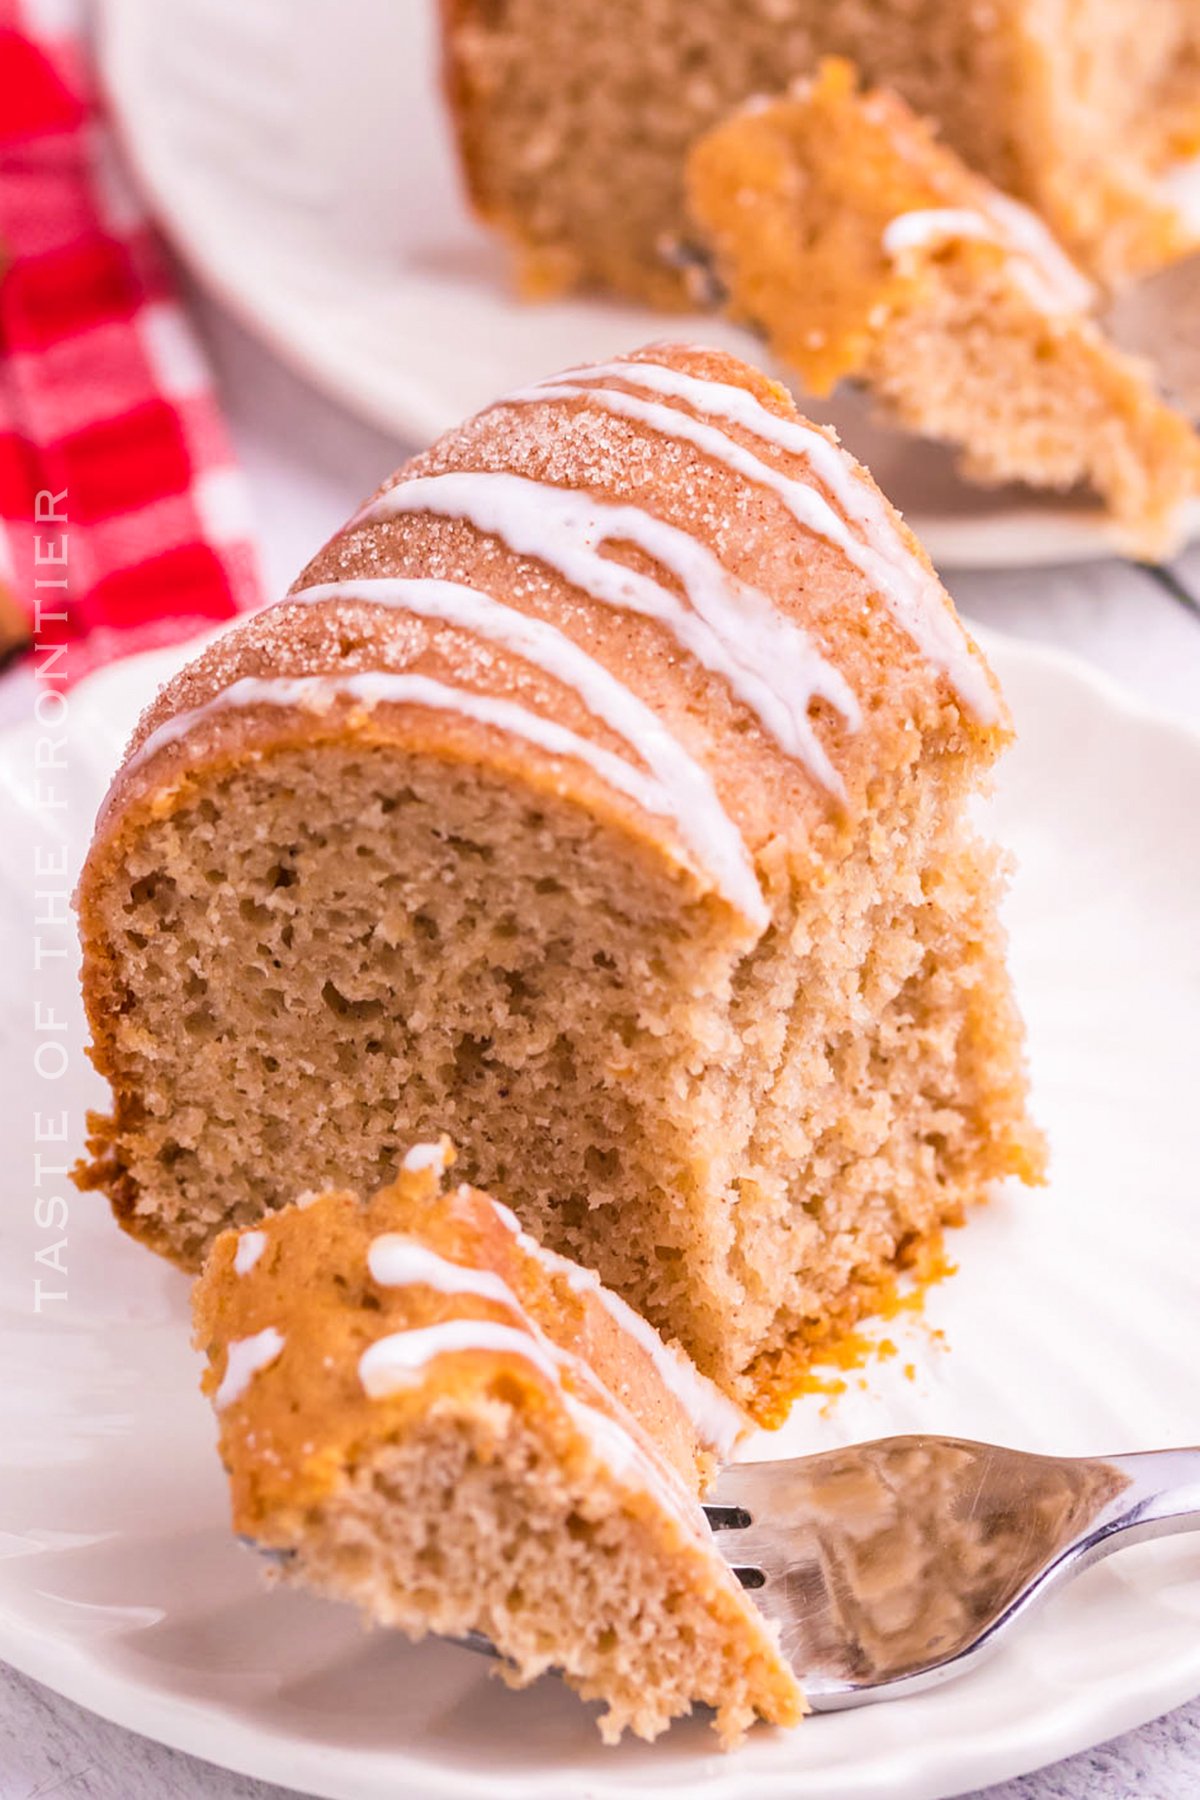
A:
(301, 159)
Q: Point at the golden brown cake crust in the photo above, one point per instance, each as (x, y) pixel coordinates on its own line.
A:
(575, 445)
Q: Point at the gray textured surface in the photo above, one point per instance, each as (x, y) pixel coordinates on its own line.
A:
(309, 464)
(53, 1750)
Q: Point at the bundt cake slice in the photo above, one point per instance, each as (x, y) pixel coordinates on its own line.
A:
(598, 796)
(865, 249)
(574, 121)
(424, 1412)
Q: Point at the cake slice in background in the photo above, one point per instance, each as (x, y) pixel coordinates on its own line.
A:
(425, 1413)
(601, 797)
(574, 120)
(865, 249)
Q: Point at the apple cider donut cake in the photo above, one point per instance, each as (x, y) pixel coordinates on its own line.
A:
(424, 1412)
(574, 121)
(599, 796)
(866, 250)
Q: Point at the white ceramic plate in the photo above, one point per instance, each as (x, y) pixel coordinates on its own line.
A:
(1073, 1325)
(300, 157)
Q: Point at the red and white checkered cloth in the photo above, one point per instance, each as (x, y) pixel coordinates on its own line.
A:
(104, 393)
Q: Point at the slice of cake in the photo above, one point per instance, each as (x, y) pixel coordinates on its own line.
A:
(574, 120)
(866, 250)
(425, 1413)
(600, 797)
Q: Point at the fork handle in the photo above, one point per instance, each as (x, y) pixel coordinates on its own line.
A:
(1162, 1496)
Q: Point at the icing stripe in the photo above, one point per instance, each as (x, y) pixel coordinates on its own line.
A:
(244, 1357)
(732, 629)
(687, 790)
(317, 693)
(426, 1156)
(934, 225)
(398, 1261)
(1043, 269)
(717, 1421)
(806, 504)
(394, 1362)
(1054, 281)
(250, 1247)
(400, 1358)
(911, 593)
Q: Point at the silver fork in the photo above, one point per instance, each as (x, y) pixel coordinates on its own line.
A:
(898, 1564)
(895, 1565)
(1159, 318)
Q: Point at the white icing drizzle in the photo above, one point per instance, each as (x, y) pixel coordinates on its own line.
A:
(911, 593)
(394, 1362)
(718, 1422)
(1064, 287)
(426, 1156)
(732, 629)
(398, 1360)
(933, 225)
(251, 1245)
(317, 693)
(687, 791)
(244, 1358)
(1044, 269)
(398, 1261)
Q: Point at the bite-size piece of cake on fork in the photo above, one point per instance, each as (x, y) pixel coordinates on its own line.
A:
(866, 250)
(424, 1412)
